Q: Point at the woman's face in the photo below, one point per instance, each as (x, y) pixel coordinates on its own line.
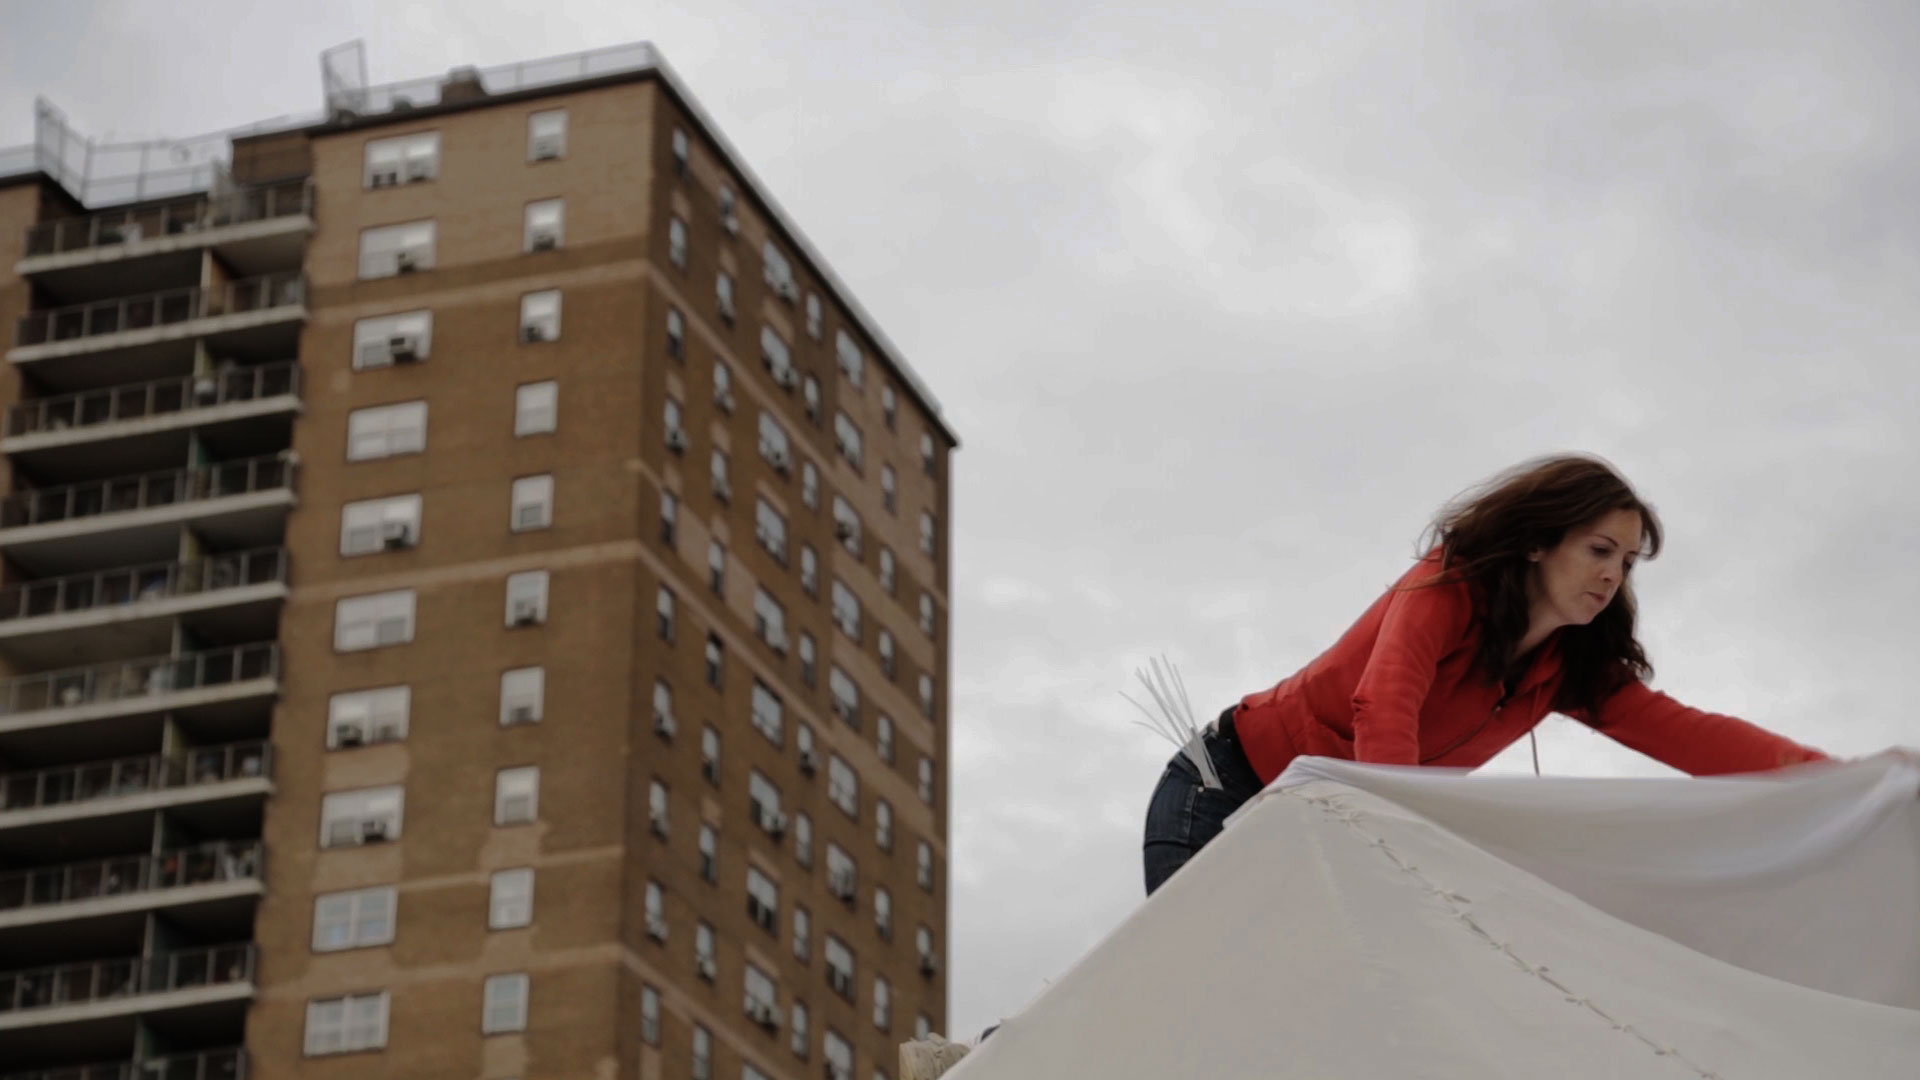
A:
(1578, 578)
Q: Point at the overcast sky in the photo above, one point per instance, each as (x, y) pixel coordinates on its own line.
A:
(1225, 303)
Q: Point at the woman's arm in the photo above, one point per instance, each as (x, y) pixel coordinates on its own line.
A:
(1691, 740)
(1419, 627)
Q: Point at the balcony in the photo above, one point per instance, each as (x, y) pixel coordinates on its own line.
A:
(232, 504)
(224, 872)
(107, 804)
(84, 995)
(255, 231)
(130, 611)
(54, 714)
(245, 410)
(225, 1064)
(137, 334)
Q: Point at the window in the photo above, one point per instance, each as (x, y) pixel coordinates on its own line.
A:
(677, 242)
(536, 408)
(763, 801)
(779, 272)
(396, 249)
(664, 723)
(927, 532)
(843, 874)
(810, 486)
(761, 995)
(722, 483)
(763, 901)
(889, 490)
(540, 316)
(926, 614)
(887, 580)
(922, 1027)
(802, 934)
(360, 717)
(403, 159)
(723, 296)
(852, 363)
(506, 1004)
(352, 920)
(926, 453)
(703, 954)
(883, 737)
(385, 430)
(883, 824)
(406, 338)
(676, 334)
(709, 853)
(663, 606)
(547, 135)
(802, 838)
(371, 525)
(545, 225)
(723, 386)
(768, 714)
(716, 567)
(510, 899)
(809, 570)
(342, 1025)
(926, 694)
(843, 788)
(770, 620)
(882, 1004)
(669, 517)
(672, 421)
(809, 664)
(777, 357)
(813, 316)
(522, 695)
(926, 780)
(800, 1038)
(373, 620)
(889, 406)
(770, 528)
(681, 151)
(363, 816)
(838, 1052)
(803, 740)
(659, 809)
(846, 696)
(649, 1014)
(710, 753)
(883, 912)
(532, 502)
(516, 795)
(846, 610)
(846, 525)
(811, 395)
(773, 444)
(839, 968)
(527, 598)
(884, 644)
(702, 1053)
(729, 215)
(716, 661)
(656, 904)
(923, 944)
(923, 853)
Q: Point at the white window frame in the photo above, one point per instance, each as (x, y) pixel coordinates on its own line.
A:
(510, 898)
(815, 318)
(770, 620)
(849, 440)
(649, 1014)
(759, 986)
(545, 224)
(889, 404)
(775, 353)
(923, 859)
(778, 271)
(763, 899)
(840, 961)
(846, 695)
(770, 529)
(540, 313)
(882, 1003)
(527, 596)
(523, 688)
(516, 796)
(376, 715)
(677, 242)
(889, 569)
(883, 824)
(926, 780)
(354, 919)
(846, 525)
(853, 362)
(532, 503)
(379, 341)
(547, 135)
(776, 448)
(370, 526)
(345, 815)
(883, 737)
(810, 485)
(802, 933)
(373, 620)
(843, 786)
(660, 807)
(723, 301)
(768, 713)
(401, 159)
(506, 1003)
(846, 609)
(889, 489)
(763, 796)
(717, 469)
(536, 408)
(383, 431)
(346, 1024)
(390, 250)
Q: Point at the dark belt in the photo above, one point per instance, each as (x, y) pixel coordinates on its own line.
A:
(1222, 727)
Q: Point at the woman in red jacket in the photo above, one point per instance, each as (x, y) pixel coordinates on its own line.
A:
(1522, 606)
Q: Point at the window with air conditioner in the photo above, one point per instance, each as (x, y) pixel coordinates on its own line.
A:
(665, 723)
(716, 567)
(922, 1027)
(723, 296)
(506, 1003)
(723, 386)
(763, 900)
(510, 899)
(802, 838)
(843, 788)
(883, 644)
(527, 598)
(809, 754)
(656, 911)
(883, 737)
(649, 1015)
(846, 525)
(545, 228)
(659, 809)
(677, 242)
(386, 430)
(709, 853)
(763, 803)
(540, 316)
(889, 406)
(702, 1053)
(810, 486)
(523, 694)
(717, 468)
(928, 537)
(778, 358)
(547, 135)
(923, 945)
(386, 340)
(769, 620)
(770, 529)
(374, 525)
(809, 660)
(838, 1051)
(676, 334)
(363, 717)
(768, 714)
(346, 1024)
(846, 609)
(846, 695)
(888, 570)
(532, 503)
(926, 780)
(710, 753)
(802, 934)
(923, 855)
(671, 416)
(926, 453)
(779, 272)
(354, 919)
(363, 816)
(843, 874)
(810, 394)
(682, 151)
(814, 319)
(774, 444)
(926, 614)
(705, 959)
(882, 1004)
(516, 795)
(402, 159)
(809, 570)
(853, 363)
(801, 1039)
(889, 490)
(669, 517)
(390, 250)
(373, 621)
(883, 824)
(760, 997)
(729, 210)
(536, 408)
(926, 695)
(840, 970)
(847, 438)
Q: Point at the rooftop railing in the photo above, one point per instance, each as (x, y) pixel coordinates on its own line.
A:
(125, 494)
(95, 780)
(176, 218)
(470, 83)
(161, 397)
(122, 680)
(203, 864)
(168, 308)
(225, 1064)
(135, 584)
(102, 980)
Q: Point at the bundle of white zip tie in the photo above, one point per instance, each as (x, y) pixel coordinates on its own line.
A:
(1175, 721)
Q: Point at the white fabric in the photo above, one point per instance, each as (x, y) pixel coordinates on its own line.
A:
(1367, 921)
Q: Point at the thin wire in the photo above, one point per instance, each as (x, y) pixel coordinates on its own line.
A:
(1536, 751)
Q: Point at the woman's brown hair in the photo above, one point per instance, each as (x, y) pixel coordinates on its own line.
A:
(1485, 537)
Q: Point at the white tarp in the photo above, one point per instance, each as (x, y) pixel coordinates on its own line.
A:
(1363, 921)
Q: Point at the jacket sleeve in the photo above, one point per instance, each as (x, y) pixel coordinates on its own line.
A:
(1691, 740)
(1420, 626)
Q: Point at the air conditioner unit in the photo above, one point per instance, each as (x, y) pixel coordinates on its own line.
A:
(656, 928)
(677, 441)
(350, 735)
(928, 964)
(546, 148)
(544, 241)
(403, 348)
(664, 725)
(521, 714)
(788, 290)
(533, 332)
(777, 638)
(403, 262)
(659, 825)
(787, 377)
(395, 534)
(722, 491)
(778, 459)
(809, 762)
(725, 400)
(731, 223)
(526, 613)
(776, 824)
(843, 530)
(840, 884)
(707, 968)
(373, 831)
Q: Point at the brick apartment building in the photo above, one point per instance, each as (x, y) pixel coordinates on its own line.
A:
(475, 605)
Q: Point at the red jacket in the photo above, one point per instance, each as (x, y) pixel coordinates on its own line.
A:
(1401, 688)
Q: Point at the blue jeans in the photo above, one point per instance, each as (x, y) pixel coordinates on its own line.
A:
(1183, 816)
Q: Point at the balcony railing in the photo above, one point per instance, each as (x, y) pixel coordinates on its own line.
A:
(175, 218)
(121, 680)
(106, 980)
(225, 860)
(123, 494)
(226, 1064)
(110, 779)
(136, 584)
(162, 397)
(161, 309)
